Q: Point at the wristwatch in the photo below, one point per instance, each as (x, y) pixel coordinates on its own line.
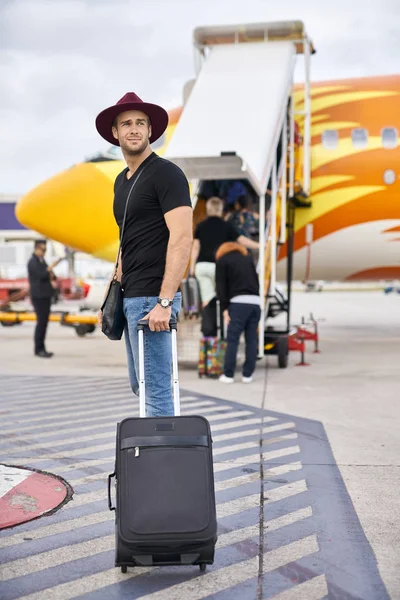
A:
(165, 302)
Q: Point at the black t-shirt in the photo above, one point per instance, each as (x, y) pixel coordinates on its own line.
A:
(39, 278)
(211, 233)
(161, 187)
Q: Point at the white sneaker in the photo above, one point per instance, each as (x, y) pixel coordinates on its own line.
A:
(247, 379)
(225, 379)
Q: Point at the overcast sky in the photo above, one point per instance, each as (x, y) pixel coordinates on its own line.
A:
(62, 61)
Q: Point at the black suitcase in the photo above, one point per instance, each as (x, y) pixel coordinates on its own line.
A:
(165, 498)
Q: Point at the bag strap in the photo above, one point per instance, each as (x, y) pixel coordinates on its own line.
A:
(141, 170)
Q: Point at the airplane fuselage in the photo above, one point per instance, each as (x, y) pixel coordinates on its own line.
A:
(352, 229)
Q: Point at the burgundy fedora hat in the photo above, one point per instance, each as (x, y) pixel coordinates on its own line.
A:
(158, 117)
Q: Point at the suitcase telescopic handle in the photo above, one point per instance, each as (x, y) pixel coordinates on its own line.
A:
(110, 506)
(143, 323)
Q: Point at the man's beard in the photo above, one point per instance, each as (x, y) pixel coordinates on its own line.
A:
(137, 151)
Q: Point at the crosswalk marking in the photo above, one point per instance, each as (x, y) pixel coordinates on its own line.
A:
(56, 528)
(85, 585)
(56, 557)
(59, 431)
(116, 414)
(313, 589)
(221, 579)
(111, 431)
(241, 461)
(102, 447)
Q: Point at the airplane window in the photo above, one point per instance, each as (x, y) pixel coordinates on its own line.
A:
(389, 137)
(359, 137)
(330, 139)
(389, 176)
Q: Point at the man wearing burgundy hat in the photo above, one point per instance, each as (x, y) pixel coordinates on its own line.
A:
(156, 241)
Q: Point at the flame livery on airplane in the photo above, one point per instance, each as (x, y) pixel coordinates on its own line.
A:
(355, 213)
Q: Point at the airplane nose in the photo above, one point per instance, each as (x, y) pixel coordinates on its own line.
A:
(76, 208)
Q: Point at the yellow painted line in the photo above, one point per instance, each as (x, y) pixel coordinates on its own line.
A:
(321, 156)
(318, 91)
(335, 125)
(326, 202)
(347, 97)
(13, 317)
(325, 181)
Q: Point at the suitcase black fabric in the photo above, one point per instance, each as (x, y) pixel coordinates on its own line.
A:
(211, 319)
(165, 498)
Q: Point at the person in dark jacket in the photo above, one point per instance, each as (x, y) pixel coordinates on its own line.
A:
(41, 290)
(239, 295)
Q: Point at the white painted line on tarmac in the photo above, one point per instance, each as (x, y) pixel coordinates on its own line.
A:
(111, 431)
(56, 528)
(101, 448)
(56, 409)
(241, 461)
(55, 406)
(250, 459)
(313, 589)
(52, 558)
(88, 414)
(227, 509)
(249, 478)
(110, 413)
(237, 481)
(222, 579)
(273, 495)
(11, 477)
(78, 414)
(95, 582)
(235, 425)
(235, 434)
(85, 585)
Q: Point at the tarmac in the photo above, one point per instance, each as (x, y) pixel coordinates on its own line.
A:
(307, 464)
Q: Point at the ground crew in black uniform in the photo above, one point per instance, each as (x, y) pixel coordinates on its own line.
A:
(41, 291)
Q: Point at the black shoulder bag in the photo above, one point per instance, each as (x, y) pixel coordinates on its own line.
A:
(113, 306)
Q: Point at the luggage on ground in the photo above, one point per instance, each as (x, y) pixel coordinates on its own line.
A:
(165, 498)
(212, 344)
(211, 319)
(211, 357)
(191, 301)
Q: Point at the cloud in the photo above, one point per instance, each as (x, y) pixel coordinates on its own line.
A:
(62, 61)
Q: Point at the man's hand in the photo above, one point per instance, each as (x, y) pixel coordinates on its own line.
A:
(227, 318)
(55, 263)
(100, 317)
(159, 318)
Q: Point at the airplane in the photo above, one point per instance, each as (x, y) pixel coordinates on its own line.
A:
(349, 233)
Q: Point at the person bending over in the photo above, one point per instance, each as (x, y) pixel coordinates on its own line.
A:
(238, 292)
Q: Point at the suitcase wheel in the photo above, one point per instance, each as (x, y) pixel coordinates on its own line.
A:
(203, 566)
(124, 569)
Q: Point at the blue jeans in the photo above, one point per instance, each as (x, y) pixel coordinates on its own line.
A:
(157, 355)
(244, 317)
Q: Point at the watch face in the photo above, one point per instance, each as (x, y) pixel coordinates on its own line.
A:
(165, 302)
